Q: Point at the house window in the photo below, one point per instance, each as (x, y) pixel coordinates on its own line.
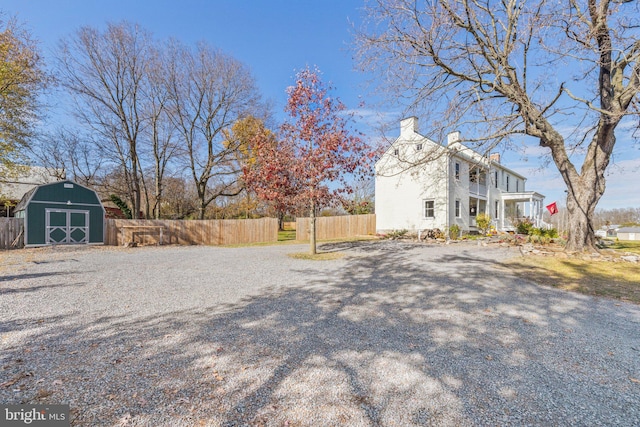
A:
(495, 215)
(507, 182)
(396, 152)
(517, 185)
(496, 180)
(457, 173)
(429, 208)
(478, 176)
(457, 208)
(418, 147)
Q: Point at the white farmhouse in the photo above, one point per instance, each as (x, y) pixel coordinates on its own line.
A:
(423, 185)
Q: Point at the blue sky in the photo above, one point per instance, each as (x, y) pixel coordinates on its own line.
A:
(276, 37)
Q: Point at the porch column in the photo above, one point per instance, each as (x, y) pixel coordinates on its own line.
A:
(540, 211)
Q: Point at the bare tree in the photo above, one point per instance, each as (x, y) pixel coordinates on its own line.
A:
(106, 72)
(361, 198)
(68, 154)
(565, 73)
(620, 216)
(161, 133)
(208, 92)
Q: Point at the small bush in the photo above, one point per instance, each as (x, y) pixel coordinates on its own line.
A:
(551, 233)
(524, 226)
(483, 221)
(454, 232)
(536, 232)
(396, 234)
(121, 205)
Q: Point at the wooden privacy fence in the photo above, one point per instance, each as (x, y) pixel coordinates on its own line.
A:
(190, 232)
(11, 233)
(337, 227)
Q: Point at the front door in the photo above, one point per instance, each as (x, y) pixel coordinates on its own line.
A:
(67, 226)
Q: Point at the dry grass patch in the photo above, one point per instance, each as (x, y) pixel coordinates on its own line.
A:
(320, 256)
(620, 280)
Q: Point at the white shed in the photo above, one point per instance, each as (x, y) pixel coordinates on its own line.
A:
(629, 233)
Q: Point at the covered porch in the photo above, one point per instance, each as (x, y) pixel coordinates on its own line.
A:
(516, 207)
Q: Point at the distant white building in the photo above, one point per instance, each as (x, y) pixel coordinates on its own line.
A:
(16, 183)
(629, 233)
(421, 185)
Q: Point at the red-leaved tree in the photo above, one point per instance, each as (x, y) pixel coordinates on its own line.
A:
(316, 147)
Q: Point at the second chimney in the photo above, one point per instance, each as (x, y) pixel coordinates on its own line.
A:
(453, 137)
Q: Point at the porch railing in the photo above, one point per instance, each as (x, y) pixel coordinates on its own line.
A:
(477, 189)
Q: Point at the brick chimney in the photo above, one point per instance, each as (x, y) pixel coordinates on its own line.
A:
(494, 157)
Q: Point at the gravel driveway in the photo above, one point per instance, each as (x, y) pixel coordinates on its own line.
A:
(394, 334)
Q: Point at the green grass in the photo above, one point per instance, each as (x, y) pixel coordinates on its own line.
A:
(626, 246)
(286, 235)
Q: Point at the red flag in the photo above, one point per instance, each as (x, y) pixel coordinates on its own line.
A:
(553, 208)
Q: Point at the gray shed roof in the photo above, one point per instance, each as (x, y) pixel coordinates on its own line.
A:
(629, 230)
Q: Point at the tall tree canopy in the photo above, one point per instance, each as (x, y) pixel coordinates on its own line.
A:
(107, 73)
(208, 92)
(22, 78)
(565, 73)
(152, 109)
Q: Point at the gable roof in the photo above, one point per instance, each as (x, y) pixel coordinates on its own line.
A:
(36, 193)
(409, 135)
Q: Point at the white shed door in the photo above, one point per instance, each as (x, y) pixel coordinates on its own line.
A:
(65, 226)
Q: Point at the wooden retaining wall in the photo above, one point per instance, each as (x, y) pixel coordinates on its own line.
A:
(337, 227)
(191, 232)
(10, 232)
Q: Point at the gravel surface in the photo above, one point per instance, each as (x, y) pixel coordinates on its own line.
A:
(393, 334)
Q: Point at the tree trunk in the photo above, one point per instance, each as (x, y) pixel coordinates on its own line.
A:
(312, 228)
(137, 201)
(158, 205)
(137, 198)
(584, 189)
(281, 220)
(581, 205)
(158, 190)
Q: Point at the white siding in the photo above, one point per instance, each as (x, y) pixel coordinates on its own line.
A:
(400, 197)
(401, 189)
(407, 176)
